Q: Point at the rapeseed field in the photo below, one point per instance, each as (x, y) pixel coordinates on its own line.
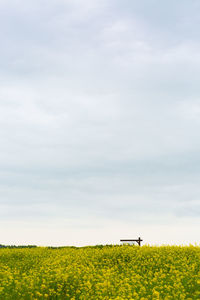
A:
(107, 272)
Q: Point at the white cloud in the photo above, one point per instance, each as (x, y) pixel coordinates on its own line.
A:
(99, 113)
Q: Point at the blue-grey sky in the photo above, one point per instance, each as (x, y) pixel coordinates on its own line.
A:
(99, 121)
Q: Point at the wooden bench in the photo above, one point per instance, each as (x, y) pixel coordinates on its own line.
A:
(138, 241)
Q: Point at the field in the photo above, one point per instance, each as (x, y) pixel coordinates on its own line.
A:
(101, 272)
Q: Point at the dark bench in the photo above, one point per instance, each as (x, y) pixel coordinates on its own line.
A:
(138, 241)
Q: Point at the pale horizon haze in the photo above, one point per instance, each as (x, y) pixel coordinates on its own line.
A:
(99, 121)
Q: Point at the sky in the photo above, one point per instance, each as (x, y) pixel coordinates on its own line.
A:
(99, 121)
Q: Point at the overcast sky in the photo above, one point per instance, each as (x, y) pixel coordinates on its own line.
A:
(99, 121)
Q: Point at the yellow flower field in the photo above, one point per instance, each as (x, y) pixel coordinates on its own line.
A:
(101, 272)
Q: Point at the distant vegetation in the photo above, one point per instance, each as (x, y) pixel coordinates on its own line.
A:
(101, 272)
(20, 246)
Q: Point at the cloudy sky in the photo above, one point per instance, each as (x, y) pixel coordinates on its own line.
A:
(99, 121)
